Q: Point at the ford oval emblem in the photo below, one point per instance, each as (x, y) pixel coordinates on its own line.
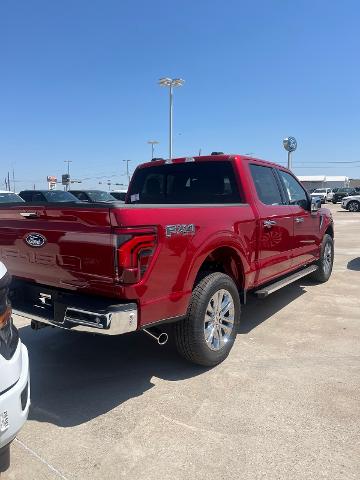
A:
(35, 240)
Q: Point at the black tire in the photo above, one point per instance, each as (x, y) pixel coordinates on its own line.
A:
(323, 273)
(4, 458)
(353, 206)
(334, 201)
(190, 332)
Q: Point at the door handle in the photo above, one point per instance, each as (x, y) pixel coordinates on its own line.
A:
(29, 214)
(269, 223)
(299, 220)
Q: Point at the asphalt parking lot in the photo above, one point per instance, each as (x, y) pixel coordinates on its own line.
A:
(284, 405)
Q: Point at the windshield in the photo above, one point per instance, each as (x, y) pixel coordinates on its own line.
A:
(345, 190)
(99, 196)
(184, 183)
(59, 196)
(320, 190)
(10, 198)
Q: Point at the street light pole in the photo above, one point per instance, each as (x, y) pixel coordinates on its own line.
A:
(127, 170)
(152, 143)
(171, 83)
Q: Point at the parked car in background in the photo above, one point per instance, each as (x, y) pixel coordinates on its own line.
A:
(93, 196)
(47, 196)
(14, 375)
(119, 194)
(325, 194)
(351, 203)
(343, 192)
(9, 197)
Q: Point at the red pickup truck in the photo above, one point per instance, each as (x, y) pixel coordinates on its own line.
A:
(193, 237)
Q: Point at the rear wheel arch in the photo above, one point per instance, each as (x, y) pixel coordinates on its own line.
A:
(223, 259)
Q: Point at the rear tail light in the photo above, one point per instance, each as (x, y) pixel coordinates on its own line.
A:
(135, 250)
(5, 318)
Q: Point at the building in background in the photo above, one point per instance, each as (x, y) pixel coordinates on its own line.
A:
(354, 182)
(324, 181)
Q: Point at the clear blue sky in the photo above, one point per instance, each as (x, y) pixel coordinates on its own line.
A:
(78, 81)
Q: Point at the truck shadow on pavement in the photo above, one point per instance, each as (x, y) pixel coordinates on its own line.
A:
(77, 377)
(354, 264)
(257, 311)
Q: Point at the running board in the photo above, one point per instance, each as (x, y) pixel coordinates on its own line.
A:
(264, 292)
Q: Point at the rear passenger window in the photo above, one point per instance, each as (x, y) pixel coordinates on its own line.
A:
(266, 185)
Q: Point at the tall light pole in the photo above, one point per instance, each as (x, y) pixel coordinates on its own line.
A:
(153, 143)
(171, 83)
(127, 170)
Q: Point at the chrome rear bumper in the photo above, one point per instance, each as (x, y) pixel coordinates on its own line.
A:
(118, 319)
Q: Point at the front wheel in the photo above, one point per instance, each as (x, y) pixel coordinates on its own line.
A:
(325, 263)
(207, 333)
(353, 206)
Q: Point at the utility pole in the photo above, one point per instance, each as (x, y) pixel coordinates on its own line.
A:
(127, 170)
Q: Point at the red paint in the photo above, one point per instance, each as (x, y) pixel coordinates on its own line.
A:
(83, 246)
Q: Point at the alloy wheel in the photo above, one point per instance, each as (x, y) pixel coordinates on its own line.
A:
(219, 319)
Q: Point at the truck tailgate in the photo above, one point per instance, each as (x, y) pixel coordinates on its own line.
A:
(69, 247)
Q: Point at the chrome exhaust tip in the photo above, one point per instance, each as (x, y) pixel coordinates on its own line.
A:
(160, 337)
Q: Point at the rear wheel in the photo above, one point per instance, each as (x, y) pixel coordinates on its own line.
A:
(207, 334)
(325, 263)
(353, 206)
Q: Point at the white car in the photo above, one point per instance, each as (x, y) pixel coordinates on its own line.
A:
(326, 194)
(351, 203)
(14, 375)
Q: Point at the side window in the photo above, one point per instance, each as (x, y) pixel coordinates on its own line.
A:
(295, 191)
(266, 185)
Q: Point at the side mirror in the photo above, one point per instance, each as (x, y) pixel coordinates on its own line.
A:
(315, 205)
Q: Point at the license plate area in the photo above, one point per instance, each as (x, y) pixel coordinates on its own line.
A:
(4, 421)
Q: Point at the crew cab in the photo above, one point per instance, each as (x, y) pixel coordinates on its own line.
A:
(194, 236)
(14, 375)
